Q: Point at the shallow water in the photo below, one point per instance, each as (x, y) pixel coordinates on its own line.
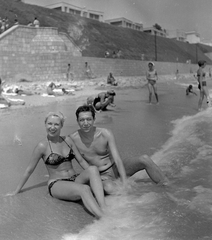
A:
(182, 148)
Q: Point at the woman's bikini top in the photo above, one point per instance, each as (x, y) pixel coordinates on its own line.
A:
(198, 73)
(152, 75)
(56, 159)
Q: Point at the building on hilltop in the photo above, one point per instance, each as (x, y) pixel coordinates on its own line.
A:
(192, 37)
(180, 35)
(83, 12)
(123, 22)
(154, 31)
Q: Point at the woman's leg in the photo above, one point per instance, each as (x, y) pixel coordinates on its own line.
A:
(206, 93)
(201, 96)
(150, 92)
(155, 92)
(72, 191)
(92, 176)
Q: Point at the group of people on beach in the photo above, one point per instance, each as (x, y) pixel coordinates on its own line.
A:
(95, 150)
(152, 77)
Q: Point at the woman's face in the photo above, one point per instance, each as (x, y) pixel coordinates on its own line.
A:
(150, 66)
(53, 126)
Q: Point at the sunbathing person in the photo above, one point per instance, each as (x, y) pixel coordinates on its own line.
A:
(64, 183)
(51, 90)
(111, 80)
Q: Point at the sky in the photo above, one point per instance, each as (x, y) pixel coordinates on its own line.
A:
(172, 15)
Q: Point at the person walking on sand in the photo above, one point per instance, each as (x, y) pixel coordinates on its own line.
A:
(64, 183)
(152, 77)
(201, 78)
(88, 71)
(98, 147)
(69, 74)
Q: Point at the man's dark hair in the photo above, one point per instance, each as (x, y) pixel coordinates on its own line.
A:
(201, 63)
(85, 108)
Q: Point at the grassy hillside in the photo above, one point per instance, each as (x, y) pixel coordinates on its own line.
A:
(94, 37)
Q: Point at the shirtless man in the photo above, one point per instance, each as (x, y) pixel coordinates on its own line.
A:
(103, 100)
(98, 147)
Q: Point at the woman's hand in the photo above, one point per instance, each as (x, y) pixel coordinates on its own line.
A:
(11, 194)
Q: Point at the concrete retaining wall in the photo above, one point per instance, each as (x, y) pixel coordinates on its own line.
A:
(43, 54)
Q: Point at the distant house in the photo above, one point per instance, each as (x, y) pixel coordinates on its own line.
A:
(154, 31)
(123, 22)
(192, 37)
(83, 12)
(177, 35)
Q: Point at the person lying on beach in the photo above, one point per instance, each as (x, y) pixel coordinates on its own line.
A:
(23, 92)
(64, 183)
(98, 148)
(67, 92)
(189, 89)
(3, 100)
(111, 80)
(102, 101)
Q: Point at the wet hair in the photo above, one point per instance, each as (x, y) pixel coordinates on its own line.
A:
(201, 63)
(85, 108)
(111, 93)
(56, 114)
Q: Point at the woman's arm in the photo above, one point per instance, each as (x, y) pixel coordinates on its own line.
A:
(36, 156)
(156, 75)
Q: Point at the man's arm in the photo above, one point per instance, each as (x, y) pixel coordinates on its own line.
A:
(115, 155)
(77, 154)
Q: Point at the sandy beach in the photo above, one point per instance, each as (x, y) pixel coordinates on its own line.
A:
(80, 89)
(139, 128)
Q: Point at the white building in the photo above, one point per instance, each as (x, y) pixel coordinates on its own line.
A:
(192, 37)
(154, 31)
(83, 12)
(123, 22)
(177, 35)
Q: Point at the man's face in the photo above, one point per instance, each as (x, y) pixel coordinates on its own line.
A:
(85, 121)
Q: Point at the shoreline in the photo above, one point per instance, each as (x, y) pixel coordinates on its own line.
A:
(80, 89)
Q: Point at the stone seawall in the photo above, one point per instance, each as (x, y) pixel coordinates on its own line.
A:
(42, 54)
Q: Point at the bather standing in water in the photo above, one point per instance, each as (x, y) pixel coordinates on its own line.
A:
(152, 77)
(64, 183)
(201, 78)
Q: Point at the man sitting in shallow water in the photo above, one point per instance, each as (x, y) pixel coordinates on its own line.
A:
(98, 148)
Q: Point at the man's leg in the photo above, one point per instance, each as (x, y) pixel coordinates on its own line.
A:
(152, 169)
(108, 180)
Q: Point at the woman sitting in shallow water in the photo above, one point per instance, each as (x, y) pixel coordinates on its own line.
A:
(57, 153)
